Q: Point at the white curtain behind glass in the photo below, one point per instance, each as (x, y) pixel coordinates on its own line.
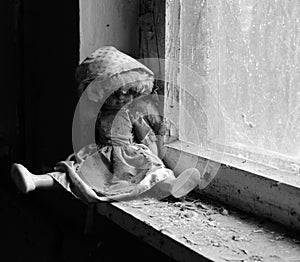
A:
(247, 54)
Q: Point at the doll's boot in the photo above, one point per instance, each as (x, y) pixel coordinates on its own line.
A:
(22, 178)
(185, 182)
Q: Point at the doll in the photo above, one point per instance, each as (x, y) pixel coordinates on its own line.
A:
(123, 162)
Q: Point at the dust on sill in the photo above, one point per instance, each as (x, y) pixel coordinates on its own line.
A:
(216, 232)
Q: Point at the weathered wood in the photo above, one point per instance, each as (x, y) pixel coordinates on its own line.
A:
(140, 226)
(152, 39)
(171, 106)
(200, 230)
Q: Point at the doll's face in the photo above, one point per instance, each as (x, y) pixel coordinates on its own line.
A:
(119, 98)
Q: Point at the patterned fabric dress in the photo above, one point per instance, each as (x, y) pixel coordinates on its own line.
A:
(119, 166)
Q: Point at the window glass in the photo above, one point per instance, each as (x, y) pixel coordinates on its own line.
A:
(245, 62)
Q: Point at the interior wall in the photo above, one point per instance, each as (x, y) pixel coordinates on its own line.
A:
(109, 22)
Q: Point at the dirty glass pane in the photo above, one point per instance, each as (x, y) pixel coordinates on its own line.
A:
(246, 55)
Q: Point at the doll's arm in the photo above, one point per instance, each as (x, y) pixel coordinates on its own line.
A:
(156, 122)
(148, 131)
(153, 147)
(144, 134)
(160, 146)
(149, 128)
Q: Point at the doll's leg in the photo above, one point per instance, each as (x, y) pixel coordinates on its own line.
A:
(181, 185)
(26, 181)
(185, 182)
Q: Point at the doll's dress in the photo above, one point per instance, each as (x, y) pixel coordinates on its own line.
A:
(121, 164)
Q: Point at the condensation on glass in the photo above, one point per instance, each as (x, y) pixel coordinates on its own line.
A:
(243, 63)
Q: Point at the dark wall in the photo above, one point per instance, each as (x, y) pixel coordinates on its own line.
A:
(8, 73)
(41, 53)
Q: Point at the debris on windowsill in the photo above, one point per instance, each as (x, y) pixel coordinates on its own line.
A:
(246, 122)
(295, 168)
(208, 227)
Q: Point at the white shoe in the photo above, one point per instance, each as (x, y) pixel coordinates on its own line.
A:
(22, 178)
(185, 182)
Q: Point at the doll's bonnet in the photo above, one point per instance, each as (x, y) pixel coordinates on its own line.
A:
(107, 70)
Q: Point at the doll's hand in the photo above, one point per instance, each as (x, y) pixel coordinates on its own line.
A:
(68, 167)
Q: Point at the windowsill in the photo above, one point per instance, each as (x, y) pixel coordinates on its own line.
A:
(199, 229)
(202, 230)
(252, 187)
